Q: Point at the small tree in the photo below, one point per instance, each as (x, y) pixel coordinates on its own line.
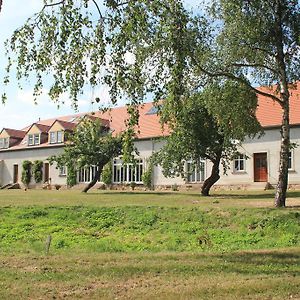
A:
(26, 172)
(37, 170)
(147, 176)
(208, 126)
(107, 173)
(90, 145)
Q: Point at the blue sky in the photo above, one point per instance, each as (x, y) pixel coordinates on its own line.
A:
(20, 110)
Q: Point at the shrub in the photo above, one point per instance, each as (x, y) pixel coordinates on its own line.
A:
(26, 172)
(71, 176)
(147, 177)
(107, 174)
(37, 170)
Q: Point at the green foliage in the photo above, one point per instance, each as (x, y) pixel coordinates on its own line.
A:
(37, 170)
(148, 228)
(71, 174)
(107, 173)
(26, 172)
(147, 176)
(90, 144)
(205, 127)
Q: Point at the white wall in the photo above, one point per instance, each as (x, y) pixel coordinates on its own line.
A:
(269, 143)
(10, 158)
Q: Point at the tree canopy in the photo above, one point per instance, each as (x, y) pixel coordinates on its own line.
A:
(206, 129)
(89, 145)
(175, 52)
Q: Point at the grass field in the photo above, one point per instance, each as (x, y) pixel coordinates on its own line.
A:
(137, 245)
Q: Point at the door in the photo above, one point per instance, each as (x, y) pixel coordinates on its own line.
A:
(16, 174)
(46, 172)
(260, 167)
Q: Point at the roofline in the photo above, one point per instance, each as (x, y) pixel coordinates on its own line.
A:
(297, 125)
(32, 147)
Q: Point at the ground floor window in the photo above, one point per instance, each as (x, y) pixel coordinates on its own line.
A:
(195, 172)
(87, 174)
(126, 173)
(239, 163)
(62, 171)
(290, 163)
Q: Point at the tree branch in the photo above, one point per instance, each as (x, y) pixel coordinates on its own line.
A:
(255, 66)
(53, 4)
(236, 78)
(98, 9)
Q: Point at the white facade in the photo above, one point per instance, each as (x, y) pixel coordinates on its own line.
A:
(268, 145)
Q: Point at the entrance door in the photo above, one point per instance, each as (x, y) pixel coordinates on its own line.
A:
(16, 174)
(260, 167)
(46, 172)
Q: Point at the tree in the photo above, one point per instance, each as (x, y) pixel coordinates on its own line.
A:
(260, 39)
(211, 125)
(176, 52)
(90, 145)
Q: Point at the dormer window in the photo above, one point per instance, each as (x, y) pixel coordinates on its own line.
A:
(4, 143)
(56, 137)
(33, 139)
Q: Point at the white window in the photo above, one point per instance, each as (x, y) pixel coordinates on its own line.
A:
(62, 171)
(59, 137)
(56, 137)
(33, 139)
(291, 160)
(87, 174)
(4, 142)
(52, 137)
(127, 173)
(239, 163)
(195, 172)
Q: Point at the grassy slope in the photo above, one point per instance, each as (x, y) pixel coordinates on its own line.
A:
(145, 246)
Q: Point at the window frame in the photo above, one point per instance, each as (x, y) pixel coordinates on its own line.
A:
(4, 143)
(62, 171)
(127, 173)
(193, 175)
(291, 163)
(240, 159)
(34, 139)
(56, 137)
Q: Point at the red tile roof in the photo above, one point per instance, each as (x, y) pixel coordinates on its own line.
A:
(268, 113)
(66, 125)
(18, 134)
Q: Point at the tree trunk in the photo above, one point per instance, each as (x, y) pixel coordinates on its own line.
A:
(280, 194)
(95, 178)
(214, 176)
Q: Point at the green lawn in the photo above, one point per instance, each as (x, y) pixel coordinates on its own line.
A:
(138, 245)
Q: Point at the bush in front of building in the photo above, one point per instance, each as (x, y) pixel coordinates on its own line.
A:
(37, 170)
(107, 174)
(26, 172)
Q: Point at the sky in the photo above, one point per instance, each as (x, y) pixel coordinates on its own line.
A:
(19, 110)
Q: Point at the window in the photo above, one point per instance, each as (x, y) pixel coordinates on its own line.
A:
(290, 163)
(62, 171)
(195, 172)
(4, 143)
(240, 163)
(87, 174)
(126, 173)
(56, 137)
(33, 139)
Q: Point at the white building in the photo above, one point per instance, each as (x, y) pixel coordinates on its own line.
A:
(257, 165)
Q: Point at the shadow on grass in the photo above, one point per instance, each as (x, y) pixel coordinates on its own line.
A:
(275, 263)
